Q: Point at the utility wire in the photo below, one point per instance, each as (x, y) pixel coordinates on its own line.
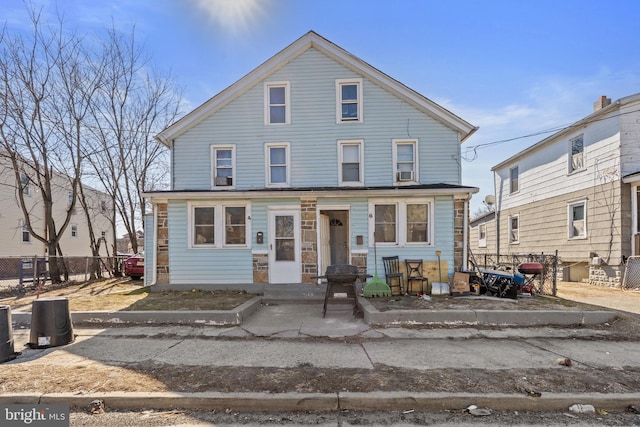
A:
(476, 148)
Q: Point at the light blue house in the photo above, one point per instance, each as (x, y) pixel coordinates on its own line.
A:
(298, 165)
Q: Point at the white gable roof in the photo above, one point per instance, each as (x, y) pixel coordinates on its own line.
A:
(314, 40)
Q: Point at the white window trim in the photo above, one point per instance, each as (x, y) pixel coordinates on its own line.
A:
(360, 144)
(287, 100)
(267, 164)
(23, 229)
(219, 225)
(511, 181)
(26, 185)
(482, 242)
(214, 148)
(74, 230)
(339, 83)
(570, 207)
(416, 165)
(401, 221)
(570, 170)
(517, 241)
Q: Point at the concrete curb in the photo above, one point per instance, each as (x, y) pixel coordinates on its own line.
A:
(484, 317)
(323, 402)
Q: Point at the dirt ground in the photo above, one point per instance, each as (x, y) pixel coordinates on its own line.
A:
(88, 376)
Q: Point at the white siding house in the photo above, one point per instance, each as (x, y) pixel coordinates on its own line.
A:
(15, 239)
(576, 192)
(298, 165)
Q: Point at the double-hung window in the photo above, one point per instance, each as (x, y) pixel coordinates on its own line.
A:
(277, 103)
(405, 160)
(402, 222)
(26, 236)
(577, 220)
(219, 225)
(349, 100)
(277, 164)
(514, 229)
(223, 158)
(24, 183)
(482, 236)
(576, 158)
(350, 168)
(514, 180)
(74, 230)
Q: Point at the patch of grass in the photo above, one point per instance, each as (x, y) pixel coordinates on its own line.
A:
(193, 300)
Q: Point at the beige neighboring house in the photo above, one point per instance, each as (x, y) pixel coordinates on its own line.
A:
(482, 236)
(577, 192)
(15, 239)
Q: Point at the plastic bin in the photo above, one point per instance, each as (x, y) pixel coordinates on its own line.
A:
(6, 334)
(50, 323)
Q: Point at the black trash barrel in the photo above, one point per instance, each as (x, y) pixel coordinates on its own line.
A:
(6, 334)
(50, 323)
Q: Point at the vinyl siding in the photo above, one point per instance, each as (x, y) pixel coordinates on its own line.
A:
(313, 133)
(193, 266)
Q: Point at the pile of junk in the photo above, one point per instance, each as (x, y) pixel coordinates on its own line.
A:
(503, 283)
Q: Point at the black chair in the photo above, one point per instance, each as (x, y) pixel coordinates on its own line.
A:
(414, 274)
(393, 274)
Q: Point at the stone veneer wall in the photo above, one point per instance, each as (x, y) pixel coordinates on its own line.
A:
(309, 239)
(458, 233)
(162, 244)
(260, 268)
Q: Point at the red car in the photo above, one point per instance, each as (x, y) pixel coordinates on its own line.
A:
(134, 267)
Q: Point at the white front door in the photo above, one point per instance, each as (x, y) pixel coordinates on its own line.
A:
(284, 246)
(325, 243)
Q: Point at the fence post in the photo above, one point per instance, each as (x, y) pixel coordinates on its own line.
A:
(86, 267)
(555, 274)
(35, 270)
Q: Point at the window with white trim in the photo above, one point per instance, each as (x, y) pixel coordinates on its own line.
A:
(223, 159)
(482, 236)
(514, 229)
(405, 160)
(277, 156)
(405, 222)
(24, 182)
(576, 155)
(219, 225)
(514, 180)
(74, 230)
(277, 103)
(26, 236)
(351, 166)
(577, 213)
(349, 100)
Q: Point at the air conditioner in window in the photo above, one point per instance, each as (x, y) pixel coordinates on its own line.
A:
(223, 181)
(405, 176)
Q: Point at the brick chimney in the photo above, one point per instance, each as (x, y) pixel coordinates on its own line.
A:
(602, 102)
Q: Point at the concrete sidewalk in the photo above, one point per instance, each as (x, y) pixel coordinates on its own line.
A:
(280, 336)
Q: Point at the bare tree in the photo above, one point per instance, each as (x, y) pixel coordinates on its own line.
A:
(135, 103)
(48, 82)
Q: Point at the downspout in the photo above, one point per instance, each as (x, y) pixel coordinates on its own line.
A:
(497, 216)
(465, 234)
(154, 275)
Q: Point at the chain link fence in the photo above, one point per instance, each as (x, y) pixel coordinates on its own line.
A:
(19, 273)
(631, 279)
(546, 282)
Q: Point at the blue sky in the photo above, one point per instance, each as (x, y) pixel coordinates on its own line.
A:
(511, 67)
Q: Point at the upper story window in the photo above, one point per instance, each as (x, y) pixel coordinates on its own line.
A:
(218, 225)
(103, 206)
(514, 177)
(26, 236)
(514, 229)
(24, 182)
(223, 160)
(74, 230)
(576, 158)
(351, 167)
(277, 156)
(402, 223)
(482, 236)
(577, 220)
(405, 160)
(349, 100)
(277, 103)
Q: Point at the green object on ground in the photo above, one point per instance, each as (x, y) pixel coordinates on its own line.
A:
(376, 287)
